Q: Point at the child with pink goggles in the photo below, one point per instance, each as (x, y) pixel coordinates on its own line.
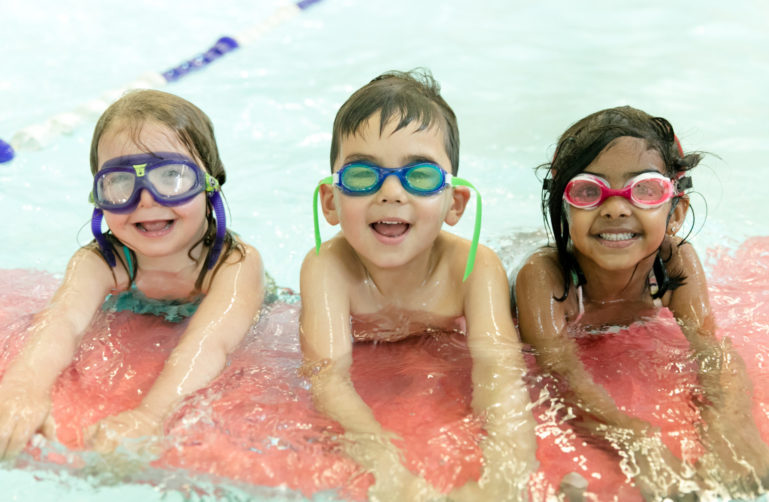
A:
(646, 191)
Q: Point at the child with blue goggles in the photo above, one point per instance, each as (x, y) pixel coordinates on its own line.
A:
(157, 176)
(392, 273)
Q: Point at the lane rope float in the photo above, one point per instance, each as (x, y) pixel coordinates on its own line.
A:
(37, 136)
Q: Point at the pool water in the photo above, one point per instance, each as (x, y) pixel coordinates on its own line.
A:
(517, 74)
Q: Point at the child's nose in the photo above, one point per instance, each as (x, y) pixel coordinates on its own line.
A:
(616, 207)
(391, 190)
(145, 198)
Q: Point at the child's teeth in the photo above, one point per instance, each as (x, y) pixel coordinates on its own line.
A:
(617, 237)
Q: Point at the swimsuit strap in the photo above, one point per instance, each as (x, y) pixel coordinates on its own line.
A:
(575, 281)
(654, 287)
(128, 261)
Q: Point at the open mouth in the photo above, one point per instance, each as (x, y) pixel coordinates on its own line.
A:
(390, 228)
(617, 237)
(154, 226)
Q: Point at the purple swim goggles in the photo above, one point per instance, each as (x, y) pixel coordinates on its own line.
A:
(171, 178)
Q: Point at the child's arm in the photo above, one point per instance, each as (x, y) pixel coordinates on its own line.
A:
(542, 322)
(25, 400)
(327, 351)
(499, 392)
(731, 432)
(229, 308)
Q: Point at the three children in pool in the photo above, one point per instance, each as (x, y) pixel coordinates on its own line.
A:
(615, 196)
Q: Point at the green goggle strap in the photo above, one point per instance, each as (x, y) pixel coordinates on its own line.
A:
(325, 181)
(454, 182)
(476, 229)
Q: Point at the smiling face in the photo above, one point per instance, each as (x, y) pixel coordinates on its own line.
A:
(391, 227)
(151, 229)
(617, 236)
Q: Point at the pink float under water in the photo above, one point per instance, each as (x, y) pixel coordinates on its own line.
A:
(255, 423)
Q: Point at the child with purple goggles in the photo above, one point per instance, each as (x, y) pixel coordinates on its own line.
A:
(171, 179)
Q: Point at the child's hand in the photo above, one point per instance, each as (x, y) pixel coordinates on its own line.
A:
(737, 457)
(658, 473)
(472, 492)
(107, 434)
(23, 412)
(492, 486)
(398, 484)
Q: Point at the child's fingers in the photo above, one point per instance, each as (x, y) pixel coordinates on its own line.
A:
(6, 431)
(48, 429)
(18, 439)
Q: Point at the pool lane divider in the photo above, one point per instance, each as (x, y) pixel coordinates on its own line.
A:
(37, 136)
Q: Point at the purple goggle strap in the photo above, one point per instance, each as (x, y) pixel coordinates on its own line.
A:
(221, 228)
(108, 251)
(106, 248)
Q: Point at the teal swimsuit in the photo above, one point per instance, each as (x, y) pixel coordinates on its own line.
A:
(134, 300)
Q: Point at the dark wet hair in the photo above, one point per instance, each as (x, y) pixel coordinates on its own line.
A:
(195, 131)
(578, 147)
(413, 95)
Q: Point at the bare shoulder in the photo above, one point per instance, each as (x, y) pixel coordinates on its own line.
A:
(683, 256)
(246, 254)
(334, 266)
(86, 283)
(242, 266)
(540, 269)
(455, 250)
(690, 301)
(87, 265)
(538, 281)
(487, 262)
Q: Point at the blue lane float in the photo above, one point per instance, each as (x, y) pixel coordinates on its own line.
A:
(6, 152)
(37, 136)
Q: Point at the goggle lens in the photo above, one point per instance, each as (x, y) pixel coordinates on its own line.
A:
(650, 191)
(425, 178)
(583, 193)
(115, 187)
(173, 179)
(359, 178)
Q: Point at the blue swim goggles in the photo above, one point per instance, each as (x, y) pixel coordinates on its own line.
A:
(171, 178)
(423, 179)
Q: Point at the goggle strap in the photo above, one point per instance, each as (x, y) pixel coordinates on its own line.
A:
(325, 181)
(221, 228)
(683, 183)
(212, 184)
(476, 231)
(104, 246)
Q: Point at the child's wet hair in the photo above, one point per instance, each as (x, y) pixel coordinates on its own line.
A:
(407, 96)
(578, 146)
(190, 125)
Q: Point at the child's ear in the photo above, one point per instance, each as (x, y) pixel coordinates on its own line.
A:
(459, 198)
(328, 204)
(677, 216)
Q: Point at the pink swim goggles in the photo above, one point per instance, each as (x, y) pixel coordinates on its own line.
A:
(646, 191)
